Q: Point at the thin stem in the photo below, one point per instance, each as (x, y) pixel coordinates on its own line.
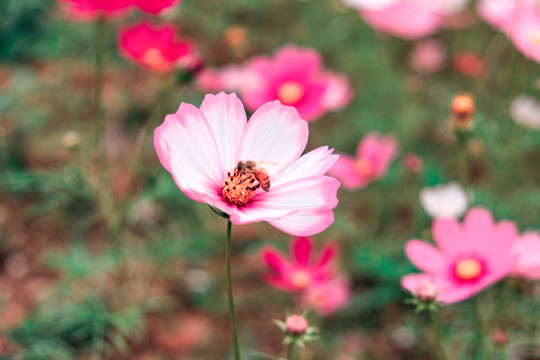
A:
(463, 161)
(479, 348)
(436, 323)
(230, 292)
(290, 351)
(104, 191)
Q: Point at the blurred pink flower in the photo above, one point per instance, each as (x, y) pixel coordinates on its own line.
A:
(155, 6)
(413, 163)
(296, 324)
(527, 249)
(497, 13)
(373, 157)
(428, 57)
(88, 10)
(304, 269)
(201, 148)
(155, 47)
(409, 19)
(293, 76)
(519, 20)
(327, 297)
(423, 286)
(404, 19)
(470, 256)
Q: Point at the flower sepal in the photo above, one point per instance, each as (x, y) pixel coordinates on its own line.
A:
(422, 304)
(219, 212)
(297, 331)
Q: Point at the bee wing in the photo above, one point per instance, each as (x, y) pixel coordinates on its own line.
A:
(269, 167)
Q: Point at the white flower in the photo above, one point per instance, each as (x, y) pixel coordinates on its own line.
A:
(526, 111)
(448, 200)
(369, 4)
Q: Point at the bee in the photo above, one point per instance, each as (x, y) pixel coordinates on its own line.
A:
(250, 168)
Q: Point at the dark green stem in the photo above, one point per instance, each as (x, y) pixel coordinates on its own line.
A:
(436, 323)
(479, 333)
(290, 351)
(230, 292)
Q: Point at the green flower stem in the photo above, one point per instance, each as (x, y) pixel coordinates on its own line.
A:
(230, 292)
(463, 160)
(104, 191)
(436, 323)
(290, 351)
(479, 334)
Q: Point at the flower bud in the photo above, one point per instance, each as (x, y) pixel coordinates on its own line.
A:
(427, 292)
(296, 325)
(462, 112)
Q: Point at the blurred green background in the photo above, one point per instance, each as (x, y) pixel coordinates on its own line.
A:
(68, 290)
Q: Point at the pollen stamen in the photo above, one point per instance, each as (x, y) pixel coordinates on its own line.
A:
(238, 188)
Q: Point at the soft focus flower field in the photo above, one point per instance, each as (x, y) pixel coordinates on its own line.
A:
(379, 162)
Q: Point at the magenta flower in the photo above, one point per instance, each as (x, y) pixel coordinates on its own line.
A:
(88, 10)
(304, 269)
(202, 149)
(527, 250)
(315, 278)
(470, 256)
(157, 48)
(293, 76)
(155, 6)
(373, 157)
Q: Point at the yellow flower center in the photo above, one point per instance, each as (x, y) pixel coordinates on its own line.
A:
(300, 279)
(290, 92)
(238, 188)
(468, 269)
(153, 58)
(535, 38)
(364, 167)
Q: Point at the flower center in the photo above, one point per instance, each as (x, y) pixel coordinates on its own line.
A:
(290, 92)
(155, 60)
(364, 167)
(468, 269)
(300, 279)
(535, 38)
(238, 188)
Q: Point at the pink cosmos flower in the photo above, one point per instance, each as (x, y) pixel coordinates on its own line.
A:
(428, 57)
(527, 249)
(424, 286)
(469, 257)
(409, 19)
(519, 20)
(157, 48)
(327, 297)
(88, 10)
(155, 6)
(293, 76)
(373, 157)
(202, 149)
(404, 19)
(303, 270)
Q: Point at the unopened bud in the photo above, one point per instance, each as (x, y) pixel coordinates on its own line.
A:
(500, 338)
(296, 325)
(462, 112)
(427, 292)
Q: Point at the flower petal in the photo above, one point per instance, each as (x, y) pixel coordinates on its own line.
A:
(227, 118)
(304, 223)
(450, 237)
(315, 162)
(186, 147)
(480, 229)
(275, 133)
(328, 253)
(301, 249)
(275, 259)
(343, 170)
(425, 256)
